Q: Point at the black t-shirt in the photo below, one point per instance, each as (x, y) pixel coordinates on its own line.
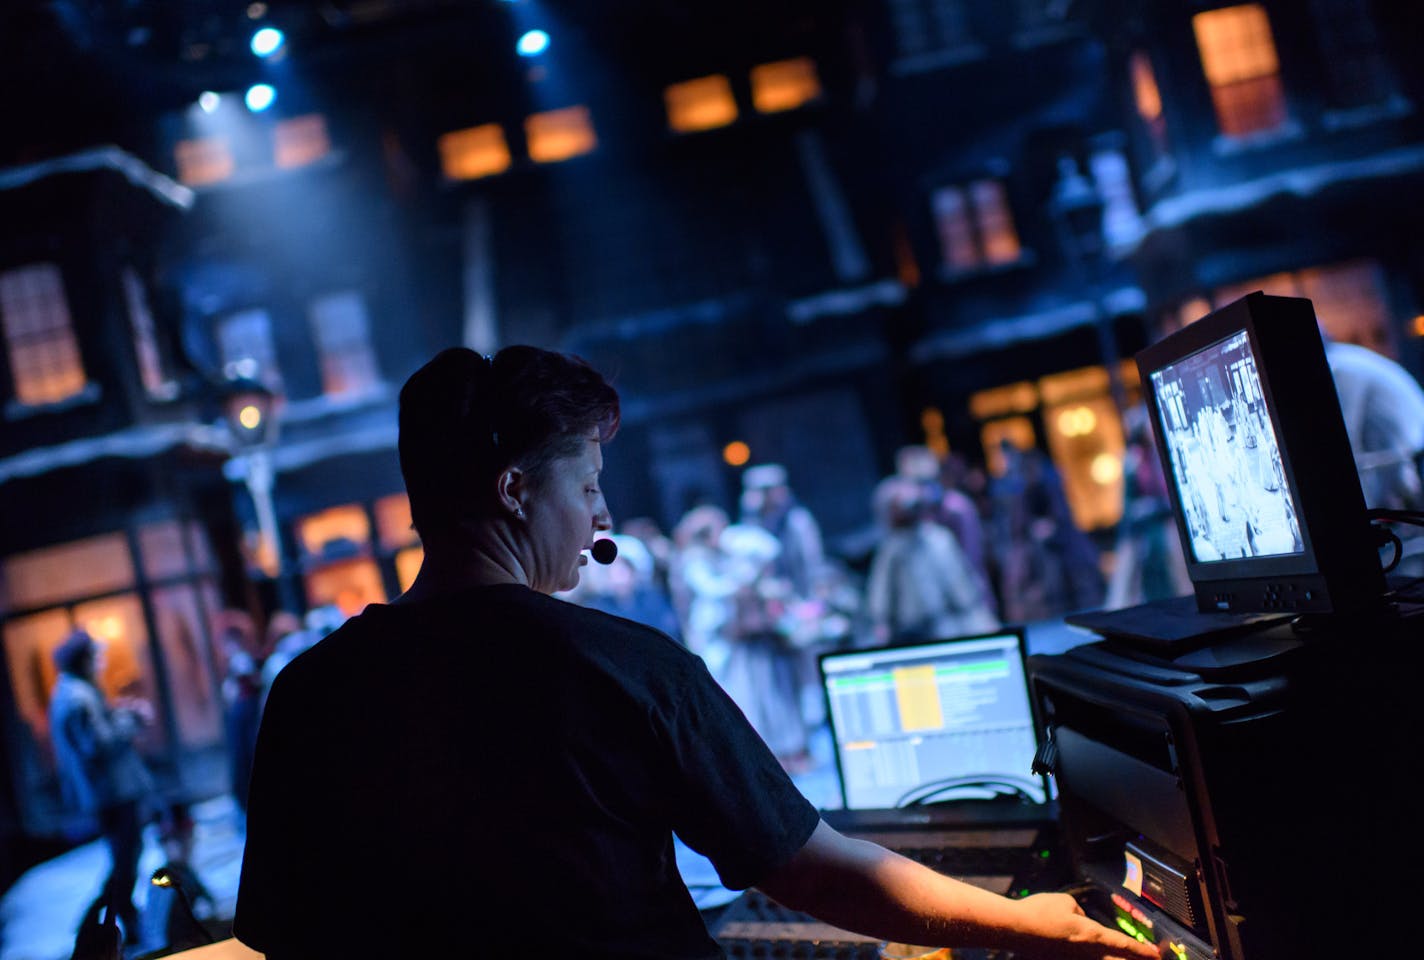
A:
(499, 773)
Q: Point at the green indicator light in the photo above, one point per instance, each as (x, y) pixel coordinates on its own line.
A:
(1023, 892)
(1130, 928)
(1045, 854)
(1178, 950)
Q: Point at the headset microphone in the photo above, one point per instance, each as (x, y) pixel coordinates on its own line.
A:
(605, 551)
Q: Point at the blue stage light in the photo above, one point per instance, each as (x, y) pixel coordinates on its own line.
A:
(260, 97)
(267, 41)
(209, 101)
(533, 43)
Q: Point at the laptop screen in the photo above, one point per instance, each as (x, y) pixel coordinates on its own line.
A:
(926, 722)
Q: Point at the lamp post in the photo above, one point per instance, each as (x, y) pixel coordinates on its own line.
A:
(1077, 209)
(251, 407)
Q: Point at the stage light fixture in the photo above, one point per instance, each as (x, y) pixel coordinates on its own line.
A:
(208, 101)
(267, 41)
(260, 97)
(533, 43)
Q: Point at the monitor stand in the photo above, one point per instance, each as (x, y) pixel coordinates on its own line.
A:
(1168, 628)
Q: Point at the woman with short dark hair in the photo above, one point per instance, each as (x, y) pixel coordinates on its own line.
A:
(482, 769)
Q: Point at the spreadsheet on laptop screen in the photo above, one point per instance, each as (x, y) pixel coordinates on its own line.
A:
(932, 721)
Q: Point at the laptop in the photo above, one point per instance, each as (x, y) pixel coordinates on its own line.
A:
(935, 733)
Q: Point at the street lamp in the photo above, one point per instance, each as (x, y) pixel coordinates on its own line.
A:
(251, 408)
(1077, 209)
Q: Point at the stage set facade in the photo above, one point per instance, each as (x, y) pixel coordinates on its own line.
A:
(825, 232)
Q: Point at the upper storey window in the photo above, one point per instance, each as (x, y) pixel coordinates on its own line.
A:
(1238, 55)
(1357, 71)
(700, 104)
(44, 355)
(1147, 97)
(929, 34)
(557, 135)
(975, 226)
(474, 152)
(342, 331)
(784, 85)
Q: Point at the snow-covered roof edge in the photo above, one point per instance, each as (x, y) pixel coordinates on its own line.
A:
(140, 174)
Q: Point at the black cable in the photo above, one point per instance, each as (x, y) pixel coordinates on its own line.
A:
(1388, 515)
(925, 792)
(171, 876)
(1401, 592)
(1398, 545)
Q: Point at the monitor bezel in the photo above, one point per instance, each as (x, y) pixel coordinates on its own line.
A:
(1339, 569)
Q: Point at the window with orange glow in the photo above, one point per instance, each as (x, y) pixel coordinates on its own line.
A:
(1086, 442)
(1191, 311)
(1018, 431)
(125, 667)
(1085, 439)
(975, 227)
(932, 423)
(1351, 300)
(1069, 385)
(47, 592)
(350, 585)
(205, 161)
(163, 550)
(996, 226)
(393, 523)
(703, 103)
(39, 337)
(559, 134)
(178, 618)
(29, 652)
(1147, 97)
(1238, 56)
(784, 85)
(300, 141)
(334, 529)
(1144, 87)
(1021, 397)
(341, 330)
(49, 575)
(474, 152)
(958, 249)
(1084, 433)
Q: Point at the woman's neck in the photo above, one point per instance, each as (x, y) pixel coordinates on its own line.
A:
(453, 570)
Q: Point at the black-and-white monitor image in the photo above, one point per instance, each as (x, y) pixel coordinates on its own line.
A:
(932, 721)
(1226, 459)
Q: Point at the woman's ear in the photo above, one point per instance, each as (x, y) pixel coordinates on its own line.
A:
(512, 488)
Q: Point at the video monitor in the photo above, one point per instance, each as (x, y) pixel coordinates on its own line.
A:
(1263, 483)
